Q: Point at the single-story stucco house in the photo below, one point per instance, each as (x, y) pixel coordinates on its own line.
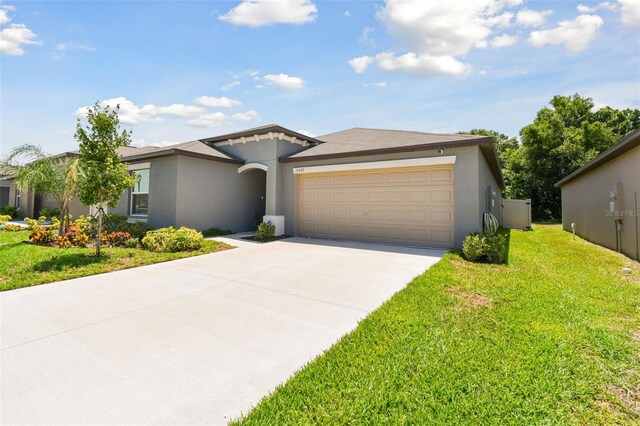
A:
(602, 197)
(399, 187)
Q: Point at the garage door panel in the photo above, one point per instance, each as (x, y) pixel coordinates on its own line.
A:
(409, 206)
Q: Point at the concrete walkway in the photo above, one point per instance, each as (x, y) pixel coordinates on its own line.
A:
(192, 341)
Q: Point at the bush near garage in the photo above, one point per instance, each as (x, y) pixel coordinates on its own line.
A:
(486, 248)
(4, 218)
(173, 240)
(265, 230)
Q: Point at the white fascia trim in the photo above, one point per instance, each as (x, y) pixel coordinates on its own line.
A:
(138, 166)
(252, 166)
(265, 136)
(410, 162)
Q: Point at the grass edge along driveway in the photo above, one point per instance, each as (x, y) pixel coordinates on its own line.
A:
(552, 337)
(25, 265)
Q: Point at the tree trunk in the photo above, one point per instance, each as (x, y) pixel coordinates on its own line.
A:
(67, 222)
(61, 227)
(99, 236)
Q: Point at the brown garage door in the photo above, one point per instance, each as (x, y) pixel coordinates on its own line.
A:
(409, 205)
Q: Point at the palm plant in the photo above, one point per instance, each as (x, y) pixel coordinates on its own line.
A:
(35, 171)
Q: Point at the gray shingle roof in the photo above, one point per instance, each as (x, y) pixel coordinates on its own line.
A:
(191, 149)
(361, 140)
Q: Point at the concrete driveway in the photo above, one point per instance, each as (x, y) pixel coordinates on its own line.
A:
(192, 341)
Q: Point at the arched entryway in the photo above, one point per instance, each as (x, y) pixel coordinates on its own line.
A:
(254, 176)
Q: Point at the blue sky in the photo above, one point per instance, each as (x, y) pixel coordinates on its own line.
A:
(187, 70)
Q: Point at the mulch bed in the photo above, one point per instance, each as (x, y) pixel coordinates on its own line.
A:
(266, 240)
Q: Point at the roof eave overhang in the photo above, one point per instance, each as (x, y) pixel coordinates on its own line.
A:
(172, 152)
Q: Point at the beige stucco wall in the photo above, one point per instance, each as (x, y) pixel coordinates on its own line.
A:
(470, 181)
(585, 202)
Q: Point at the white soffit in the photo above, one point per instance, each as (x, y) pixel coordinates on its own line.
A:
(252, 166)
(410, 162)
(262, 137)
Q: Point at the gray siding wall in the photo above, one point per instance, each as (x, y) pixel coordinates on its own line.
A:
(467, 183)
(585, 202)
(162, 193)
(214, 194)
(486, 180)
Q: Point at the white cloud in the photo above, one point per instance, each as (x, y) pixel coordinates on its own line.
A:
(4, 17)
(365, 37)
(435, 33)
(179, 110)
(130, 113)
(213, 102)
(285, 81)
(246, 116)
(256, 13)
(575, 35)
(604, 5)
(347, 14)
(74, 46)
(532, 18)
(61, 48)
(213, 119)
(139, 143)
(503, 40)
(424, 64)
(379, 84)
(306, 133)
(230, 85)
(630, 13)
(361, 63)
(13, 37)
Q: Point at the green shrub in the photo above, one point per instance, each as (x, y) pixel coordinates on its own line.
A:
(215, 232)
(186, 239)
(488, 248)
(9, 210)
(136, 229)
(172, 240)
(12, 227)
(50, 213)
(4, 218)
(115, 221)
(132, 243)
(265, 230)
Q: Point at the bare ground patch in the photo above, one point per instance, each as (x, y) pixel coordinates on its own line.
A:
(470, 300)
(629, 398)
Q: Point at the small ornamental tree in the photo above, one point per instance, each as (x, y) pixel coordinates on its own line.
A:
(42, 174)
(103, 177)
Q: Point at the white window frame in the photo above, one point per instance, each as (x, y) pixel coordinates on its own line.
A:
(136, 168)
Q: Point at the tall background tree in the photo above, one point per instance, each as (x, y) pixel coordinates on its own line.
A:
(43, 174)
(563, 137)
(103, 177)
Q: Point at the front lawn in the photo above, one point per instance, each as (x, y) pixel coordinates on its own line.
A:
(553, 337)
(23, 265)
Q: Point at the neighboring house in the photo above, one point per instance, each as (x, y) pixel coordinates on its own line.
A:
(602, 197)
(401, 187)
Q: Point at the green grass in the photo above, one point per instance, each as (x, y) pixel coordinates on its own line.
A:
(552, 337)
(24, 265)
